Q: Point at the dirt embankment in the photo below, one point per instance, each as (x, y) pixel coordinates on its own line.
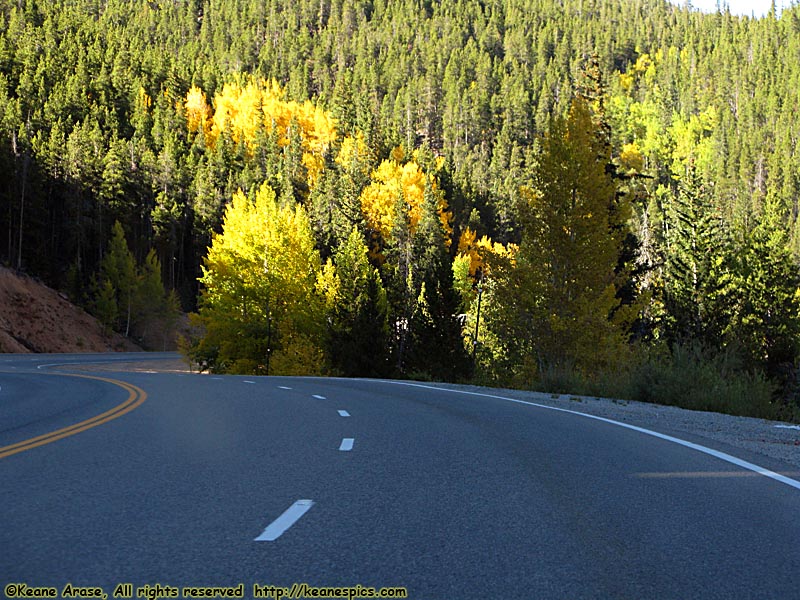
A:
(36, 318)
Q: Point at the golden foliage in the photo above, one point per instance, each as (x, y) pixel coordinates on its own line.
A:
(144, 100)
(393, 182)
(477, 251)
(249, 106)
(354, 152)
(237, 109)
(631, 158)
(198, 113)
(259, 283)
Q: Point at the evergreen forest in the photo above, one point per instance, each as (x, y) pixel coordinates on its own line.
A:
(581, 196)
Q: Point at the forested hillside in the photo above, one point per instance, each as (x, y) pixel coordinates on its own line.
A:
(565, 193)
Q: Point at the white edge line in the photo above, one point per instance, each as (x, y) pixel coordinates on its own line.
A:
(289, 517)
(344, 413)
(711, 452)
(347, 444)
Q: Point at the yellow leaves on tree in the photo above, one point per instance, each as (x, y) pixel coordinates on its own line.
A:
(693, 141)
(246, 108)
(237, 109)
(198, 113)
(354, 154)
(476, 250)
(398, 190)
(144, 101)
(631, 159)
(258, 306)
(473, 262)
(391, 183)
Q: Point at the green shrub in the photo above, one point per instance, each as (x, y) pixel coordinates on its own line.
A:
(614, 383)
(695, 378)
(688, 376)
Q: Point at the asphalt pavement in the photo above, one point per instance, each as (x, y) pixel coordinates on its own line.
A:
(447, 495)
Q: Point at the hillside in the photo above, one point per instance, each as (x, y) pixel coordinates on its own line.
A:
(545, 193)
(36, 318)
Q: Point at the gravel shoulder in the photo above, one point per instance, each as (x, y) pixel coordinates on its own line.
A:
(773, 439)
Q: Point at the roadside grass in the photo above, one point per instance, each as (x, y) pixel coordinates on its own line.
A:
(693, 378)
(687, 376)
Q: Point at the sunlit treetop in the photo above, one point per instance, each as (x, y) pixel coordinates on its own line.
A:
(477, 249)
(354, 153)
(250, 106)
(397, 181)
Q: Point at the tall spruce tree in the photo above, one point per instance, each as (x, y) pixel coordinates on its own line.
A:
(358, 327)
(559, 300)
(697, 269)
(436, 346)
(117, 281)
(766, 320)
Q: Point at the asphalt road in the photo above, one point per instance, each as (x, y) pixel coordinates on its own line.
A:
(446, 494)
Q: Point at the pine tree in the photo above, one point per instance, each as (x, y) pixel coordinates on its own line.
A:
(118, 273)
(155, 310)
(696, 265)
(104, 305)
(766, 320)
(436, 346)
(358, 338)
(558, 300)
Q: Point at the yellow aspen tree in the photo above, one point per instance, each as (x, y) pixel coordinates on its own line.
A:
(476, 250)
(406, 183)
(259, 308)
(247, 105)
(238, 110)
(354, 155)
(198, 113)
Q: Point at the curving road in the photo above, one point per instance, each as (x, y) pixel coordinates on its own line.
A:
(217, 481)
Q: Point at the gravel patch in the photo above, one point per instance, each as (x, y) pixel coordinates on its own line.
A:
(774, 439)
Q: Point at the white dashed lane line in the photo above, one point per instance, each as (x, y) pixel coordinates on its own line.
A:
(318, 397)
(283, 387)
(289, 517)
(245, 381)
(344, 413)
(347, 444)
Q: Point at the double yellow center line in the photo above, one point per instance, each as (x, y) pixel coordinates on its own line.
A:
(136, 396)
